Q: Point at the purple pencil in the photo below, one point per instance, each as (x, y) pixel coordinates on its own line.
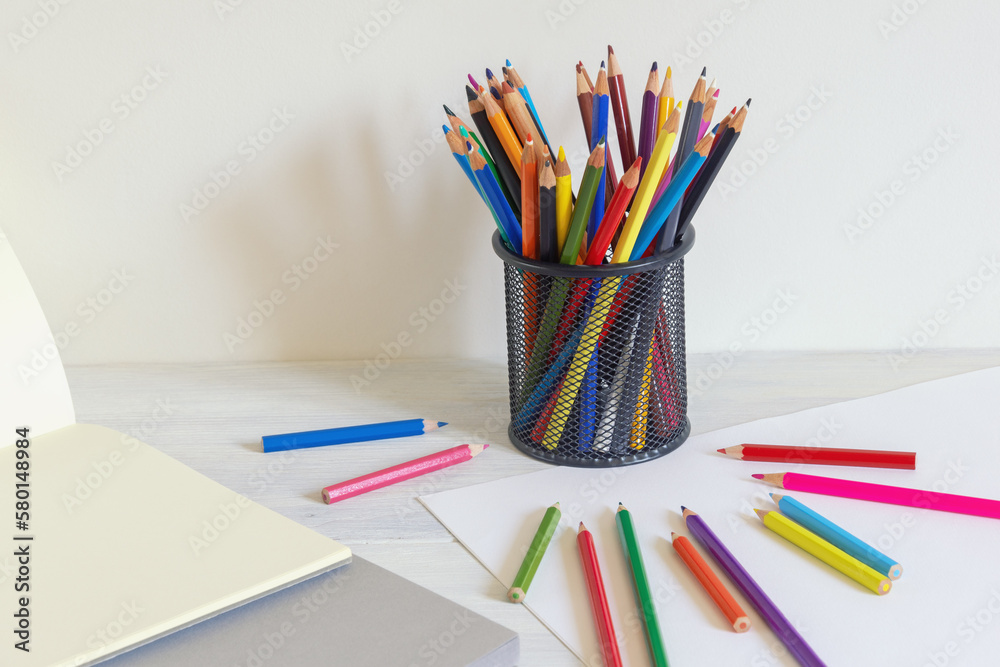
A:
(787, 633)
(647, 125)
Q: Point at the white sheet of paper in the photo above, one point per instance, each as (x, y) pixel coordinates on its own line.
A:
(945, 609)
(33, 387)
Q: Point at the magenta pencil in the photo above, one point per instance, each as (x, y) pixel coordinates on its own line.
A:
(882, 493)
(401, 472)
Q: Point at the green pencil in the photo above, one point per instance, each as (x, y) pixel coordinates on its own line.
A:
(584, 203)
(535, 553)
(644, 596)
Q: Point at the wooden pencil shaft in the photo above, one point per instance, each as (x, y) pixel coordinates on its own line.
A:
(536, 551)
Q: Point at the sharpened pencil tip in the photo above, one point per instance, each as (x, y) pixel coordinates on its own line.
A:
(748, 101)
(757, 476)
(761, 513)
(447, 110)
(562, 155)
(470, 93)
(670, 73)
(721, 451)
(446, 129)
(489, 73)
(529, 141)
(601, 142)
(440, 424)
(508, 63)
(704, 71)
(620, 504)
(603, 66)
(464, 132)
(653, 68)
(673, 535)
(582, 527)
(683, 508)
(610, 50)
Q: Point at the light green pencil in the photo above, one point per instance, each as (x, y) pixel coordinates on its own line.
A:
(536, 551)
(640, 581)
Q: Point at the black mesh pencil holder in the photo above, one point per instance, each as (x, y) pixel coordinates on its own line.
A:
(595, 358)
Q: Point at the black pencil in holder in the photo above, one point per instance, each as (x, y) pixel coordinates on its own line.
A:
(595, 358)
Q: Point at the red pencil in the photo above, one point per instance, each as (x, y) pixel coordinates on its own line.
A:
(403, 471)
(614, 213)
(619, 105)
(825, 456)
(598, 599)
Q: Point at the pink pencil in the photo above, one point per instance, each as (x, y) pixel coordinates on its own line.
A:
(403, 471)
(881, 493)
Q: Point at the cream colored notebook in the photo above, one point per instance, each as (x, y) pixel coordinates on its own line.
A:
(127, 544)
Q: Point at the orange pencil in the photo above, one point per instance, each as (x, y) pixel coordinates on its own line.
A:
(711, 583)
(505, 133)
(529, 199)
(613, 216)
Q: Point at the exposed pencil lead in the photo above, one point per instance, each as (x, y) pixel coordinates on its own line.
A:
(748, 101)
(447, 110)
(757, 476)
(603, 66)
(654, 66)
(508, 63)
(704, 71)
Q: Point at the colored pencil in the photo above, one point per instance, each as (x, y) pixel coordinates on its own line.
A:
(520, 117)
(716, 590)
(564, 202)
(492, 81)
(347, 434)
(506, 171)
(882, 493)
(398, 473)
(769, 611)
(529, 199)
(598, 132)
(457, 145)
(711, 169)
(711, 99)
(505, 133)
(660, 215)
(536, 551)
(548, 239)
(619, 103)
(640, 583)
(837, 536)
(598, 598)
(613, 216)
(665, 105)
(498, 201)
(459, 126)
(647, 186)
(647, 122)
(688, 138)
(640, 419)
(585, 350)
(537, 393)
(517, 82)
(816, 546)
(584, 204)
(827, 456)
(585, 99)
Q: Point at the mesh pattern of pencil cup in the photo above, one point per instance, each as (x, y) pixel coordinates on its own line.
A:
(595, 358)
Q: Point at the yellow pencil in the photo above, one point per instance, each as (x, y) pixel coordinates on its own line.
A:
(647, 187)
(564, 200)
(581, 359)
(826, 552)
(641, 417)
(666, 106)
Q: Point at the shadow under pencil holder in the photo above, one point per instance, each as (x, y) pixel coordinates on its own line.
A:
(595, 358)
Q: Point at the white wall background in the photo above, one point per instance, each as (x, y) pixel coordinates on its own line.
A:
(889, 91)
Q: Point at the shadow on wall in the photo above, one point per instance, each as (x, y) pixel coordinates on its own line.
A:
(352, 267)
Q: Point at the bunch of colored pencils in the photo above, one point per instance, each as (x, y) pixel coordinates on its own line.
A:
(527, 187)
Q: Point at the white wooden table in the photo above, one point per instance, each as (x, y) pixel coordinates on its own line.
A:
(211, 417)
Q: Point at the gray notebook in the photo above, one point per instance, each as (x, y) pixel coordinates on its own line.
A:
(358, 615)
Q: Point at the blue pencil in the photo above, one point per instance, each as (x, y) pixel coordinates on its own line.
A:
(463, 161)
(499, 202)
(598, 131)
(544, 387)
(346, 434)
(658, 216)
(837, 536)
